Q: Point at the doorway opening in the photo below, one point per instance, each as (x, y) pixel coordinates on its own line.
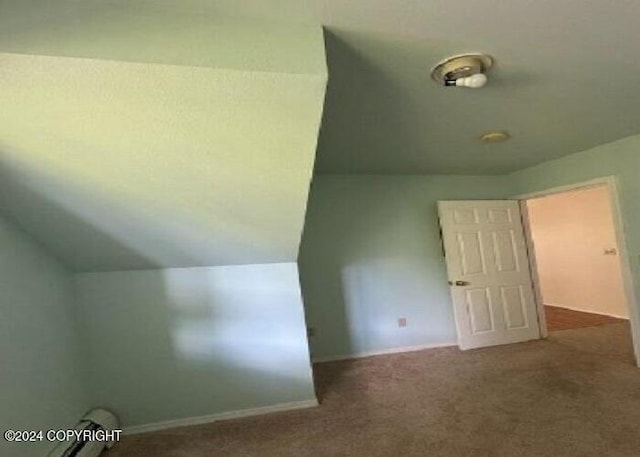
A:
(578, 266)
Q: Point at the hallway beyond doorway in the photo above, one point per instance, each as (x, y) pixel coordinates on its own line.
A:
(564, 319)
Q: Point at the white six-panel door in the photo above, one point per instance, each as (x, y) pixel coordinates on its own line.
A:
(488, 272)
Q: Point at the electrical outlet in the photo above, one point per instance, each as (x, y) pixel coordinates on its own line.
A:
(311, 332)
(402, 322)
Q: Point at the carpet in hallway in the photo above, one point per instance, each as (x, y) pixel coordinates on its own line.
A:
(564, 319)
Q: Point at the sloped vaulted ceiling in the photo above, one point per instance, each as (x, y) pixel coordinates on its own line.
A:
(565, 80)
(565, 77)
(142, 140)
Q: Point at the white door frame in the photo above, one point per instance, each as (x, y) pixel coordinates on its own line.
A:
(610, 182)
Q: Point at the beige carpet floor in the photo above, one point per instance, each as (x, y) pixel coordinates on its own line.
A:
(576, 394)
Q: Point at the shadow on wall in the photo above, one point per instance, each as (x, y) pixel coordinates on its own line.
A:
(362, 104)
(350, 114)
(371, 255)
(167, 343)
(49, 210)
(91, 229)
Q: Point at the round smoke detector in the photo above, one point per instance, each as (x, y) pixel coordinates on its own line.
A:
(466, 70)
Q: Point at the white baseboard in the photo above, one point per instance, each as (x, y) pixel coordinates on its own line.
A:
(360, 355)
(198, 420)
(573, 308)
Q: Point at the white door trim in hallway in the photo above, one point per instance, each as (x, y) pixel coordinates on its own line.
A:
(610, 182)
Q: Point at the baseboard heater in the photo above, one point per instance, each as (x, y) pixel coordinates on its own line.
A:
(94, 420)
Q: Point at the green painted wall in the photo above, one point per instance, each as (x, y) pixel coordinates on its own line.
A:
(371, 253)
(134, 138)
(184, 342)
(149, 166)
(42, 380)
(154, 137)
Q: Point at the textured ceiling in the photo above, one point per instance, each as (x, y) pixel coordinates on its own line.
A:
(117, 165)
(130, 33)
(566, 79)
(565, 76)
(136, 147)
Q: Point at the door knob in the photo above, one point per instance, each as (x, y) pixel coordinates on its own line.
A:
(458, 283)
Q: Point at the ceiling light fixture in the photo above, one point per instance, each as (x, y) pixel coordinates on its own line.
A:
(467, 70)
(495, 137)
